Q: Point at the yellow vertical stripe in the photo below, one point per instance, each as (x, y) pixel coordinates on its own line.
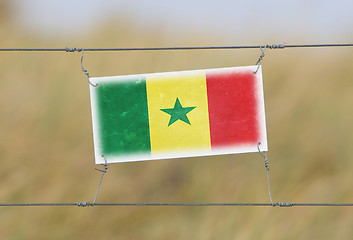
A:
(162, 92)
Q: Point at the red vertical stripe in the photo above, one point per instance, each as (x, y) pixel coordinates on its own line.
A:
(232, 107)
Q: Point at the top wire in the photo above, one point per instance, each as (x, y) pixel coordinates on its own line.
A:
(273, 46)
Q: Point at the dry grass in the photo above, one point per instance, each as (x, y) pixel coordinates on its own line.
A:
(47, 147)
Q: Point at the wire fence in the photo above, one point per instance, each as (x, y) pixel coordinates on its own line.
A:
(89, 204)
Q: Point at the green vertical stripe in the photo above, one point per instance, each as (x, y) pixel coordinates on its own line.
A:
(123, 115)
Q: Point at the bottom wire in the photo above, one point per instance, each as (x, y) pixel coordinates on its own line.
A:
(88, 204)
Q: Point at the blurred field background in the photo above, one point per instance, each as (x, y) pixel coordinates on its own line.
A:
(47, 146)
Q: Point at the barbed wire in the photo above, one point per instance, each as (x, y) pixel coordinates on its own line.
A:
(271, 46)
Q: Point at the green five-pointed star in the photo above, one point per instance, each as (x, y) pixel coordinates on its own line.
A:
(178, 113)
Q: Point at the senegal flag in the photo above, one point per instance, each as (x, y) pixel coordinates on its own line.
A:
(178, 114)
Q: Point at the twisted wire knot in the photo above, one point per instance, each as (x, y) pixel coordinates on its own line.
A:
(84, 204)
(267, 164)
(273, 46)
(67, 49)
(276, 46)
(283, 204)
